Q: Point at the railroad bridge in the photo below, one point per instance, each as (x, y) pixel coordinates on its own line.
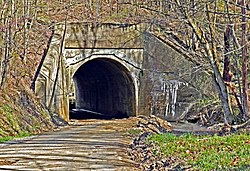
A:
(118, 70)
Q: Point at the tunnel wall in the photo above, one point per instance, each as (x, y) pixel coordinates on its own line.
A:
(161, 76)
(52, 84)
(170, 84)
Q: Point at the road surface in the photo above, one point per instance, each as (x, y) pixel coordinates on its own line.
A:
(84, 145)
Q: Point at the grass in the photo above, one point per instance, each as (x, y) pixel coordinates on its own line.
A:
(133, 132)
(231, 152)
(9, 138)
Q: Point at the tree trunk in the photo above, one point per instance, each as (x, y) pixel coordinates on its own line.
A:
(244, 61)
(4, 63)
(227, 75)
(8, 43)
(45, 51)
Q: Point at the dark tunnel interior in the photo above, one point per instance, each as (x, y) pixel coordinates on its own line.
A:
(104, 89)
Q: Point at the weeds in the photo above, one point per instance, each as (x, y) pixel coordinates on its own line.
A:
(9, 138)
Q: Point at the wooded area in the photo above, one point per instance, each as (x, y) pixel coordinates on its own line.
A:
(214, 35)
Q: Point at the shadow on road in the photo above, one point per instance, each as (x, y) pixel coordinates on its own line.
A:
(81, 114)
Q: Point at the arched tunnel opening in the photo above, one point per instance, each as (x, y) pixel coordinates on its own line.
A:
(104, 89)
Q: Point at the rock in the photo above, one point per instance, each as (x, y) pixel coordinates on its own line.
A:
(153, 124)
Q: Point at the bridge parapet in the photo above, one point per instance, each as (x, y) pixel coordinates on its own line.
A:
(105, 35)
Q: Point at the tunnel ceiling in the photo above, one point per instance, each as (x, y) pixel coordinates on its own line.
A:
(105, 86)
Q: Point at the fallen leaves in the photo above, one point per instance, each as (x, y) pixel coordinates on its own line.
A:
(235, 161)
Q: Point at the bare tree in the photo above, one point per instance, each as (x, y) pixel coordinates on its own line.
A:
(195, 27)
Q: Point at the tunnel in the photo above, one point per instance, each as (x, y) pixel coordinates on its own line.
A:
(103, 89)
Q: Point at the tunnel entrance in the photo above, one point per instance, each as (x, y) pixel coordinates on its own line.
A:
(103, 89)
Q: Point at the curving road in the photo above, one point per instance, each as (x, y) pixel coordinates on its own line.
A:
(84, 145)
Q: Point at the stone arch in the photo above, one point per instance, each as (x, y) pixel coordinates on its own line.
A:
(105, 86)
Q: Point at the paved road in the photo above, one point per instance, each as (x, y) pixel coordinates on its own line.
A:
(84, 145)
